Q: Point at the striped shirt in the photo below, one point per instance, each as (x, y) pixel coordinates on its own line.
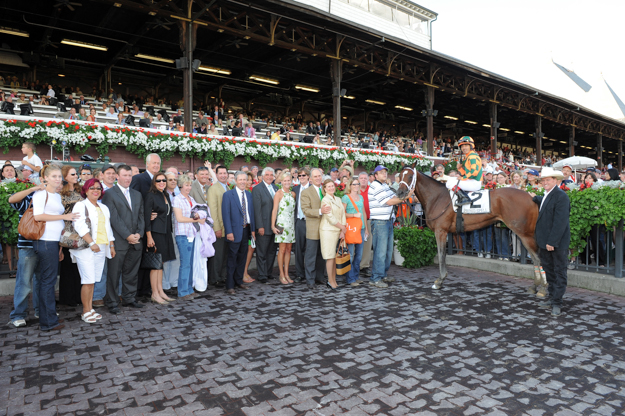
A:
(184, 228)
(21, 207)
(379, 194)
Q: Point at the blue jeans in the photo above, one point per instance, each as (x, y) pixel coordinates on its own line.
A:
(47, 271)
(355, 252)
(485, 243)
(502, 239)
(185, 275)
(382, 248)
(99, 289)
(25, 283)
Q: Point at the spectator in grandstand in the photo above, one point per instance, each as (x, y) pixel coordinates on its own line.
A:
(51, 92)
(99, 235)
(92, 115)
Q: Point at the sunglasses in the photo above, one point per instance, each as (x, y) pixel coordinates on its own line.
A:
(302, 176)
(161, 180)
(95, 188)
(172, 180)
(72, 174)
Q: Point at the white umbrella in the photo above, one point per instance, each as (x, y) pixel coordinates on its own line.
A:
(576, 162)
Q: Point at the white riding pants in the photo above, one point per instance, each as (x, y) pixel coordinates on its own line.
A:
(470, 185)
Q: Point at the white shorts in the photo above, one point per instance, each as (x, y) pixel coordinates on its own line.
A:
(470, 185)
(90, 264)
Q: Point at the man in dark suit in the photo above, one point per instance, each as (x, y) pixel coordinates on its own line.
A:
(239, 224)
(142, 183)
(300, 225)
(263, 194)
(553, 235)
(128, 224)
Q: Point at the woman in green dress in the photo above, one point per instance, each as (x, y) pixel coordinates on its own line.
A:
(283, 220)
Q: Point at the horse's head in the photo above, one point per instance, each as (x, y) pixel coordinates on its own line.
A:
(407, 181)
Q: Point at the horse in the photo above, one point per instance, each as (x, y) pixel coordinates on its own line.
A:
(512, 206)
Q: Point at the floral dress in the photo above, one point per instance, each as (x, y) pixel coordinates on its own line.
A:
(286, 219)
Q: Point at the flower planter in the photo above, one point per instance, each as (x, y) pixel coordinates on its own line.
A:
(397, 258)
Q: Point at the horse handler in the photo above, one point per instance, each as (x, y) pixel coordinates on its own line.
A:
(470, 169)
(553, 235)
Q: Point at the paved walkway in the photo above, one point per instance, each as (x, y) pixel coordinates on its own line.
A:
(479, 346)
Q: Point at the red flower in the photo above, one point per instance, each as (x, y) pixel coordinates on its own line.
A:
(77, 127)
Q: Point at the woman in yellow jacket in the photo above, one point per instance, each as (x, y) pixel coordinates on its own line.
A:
(331, 229)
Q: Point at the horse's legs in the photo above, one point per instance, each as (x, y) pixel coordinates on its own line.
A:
(441, 242)
(540, 284)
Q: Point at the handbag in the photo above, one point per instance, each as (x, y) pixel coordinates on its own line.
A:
(70, 238)
(343, 261)
(354, 225)
(29, 228)
(151, 260)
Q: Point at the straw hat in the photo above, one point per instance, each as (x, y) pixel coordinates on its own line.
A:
(548, 172)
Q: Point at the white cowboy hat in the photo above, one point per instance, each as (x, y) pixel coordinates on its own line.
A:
(443, 178)
(548, 172)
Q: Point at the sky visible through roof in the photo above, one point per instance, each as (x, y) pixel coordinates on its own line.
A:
(519, 40)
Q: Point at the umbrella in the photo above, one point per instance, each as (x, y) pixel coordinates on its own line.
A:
(576, 162)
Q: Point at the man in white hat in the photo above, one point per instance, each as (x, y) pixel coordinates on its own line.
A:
(553, 235)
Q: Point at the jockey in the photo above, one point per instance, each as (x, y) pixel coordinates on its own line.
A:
(470, 170)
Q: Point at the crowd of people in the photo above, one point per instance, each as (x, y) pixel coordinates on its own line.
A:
(117, 237)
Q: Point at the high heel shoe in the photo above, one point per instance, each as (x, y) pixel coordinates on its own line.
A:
(283, 280)
(330, 286)
(288, 279)
(156, 301)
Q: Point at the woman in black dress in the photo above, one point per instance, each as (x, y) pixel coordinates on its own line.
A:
(158, 232)
(69, 281)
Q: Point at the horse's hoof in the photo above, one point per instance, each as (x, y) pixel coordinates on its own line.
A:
(435, 287)
(531, 290)
(540, 295)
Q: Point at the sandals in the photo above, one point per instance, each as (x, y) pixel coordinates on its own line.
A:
(91, 317)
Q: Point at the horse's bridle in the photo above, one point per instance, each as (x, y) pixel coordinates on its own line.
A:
(414, 179)
(412, 187)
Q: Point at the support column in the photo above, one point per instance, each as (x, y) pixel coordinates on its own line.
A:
(494, 125)
(336, 72)
(187, 44)
(572, 141)
(539, 140)
(429, 106)
(620, 156)
(600, 150)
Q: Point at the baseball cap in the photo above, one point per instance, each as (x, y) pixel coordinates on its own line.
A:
(334, 170)
(533, 172)
(379, 168)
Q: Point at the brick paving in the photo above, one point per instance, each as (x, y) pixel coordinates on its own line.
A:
(480, 346)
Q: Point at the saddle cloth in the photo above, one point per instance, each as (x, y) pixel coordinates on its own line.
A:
(480, 202)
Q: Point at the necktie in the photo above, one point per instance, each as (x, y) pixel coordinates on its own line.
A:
(127, 195)
(244, 208)
(272, 191)
(320, 194)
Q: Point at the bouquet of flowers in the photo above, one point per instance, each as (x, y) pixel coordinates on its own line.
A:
(340, 190)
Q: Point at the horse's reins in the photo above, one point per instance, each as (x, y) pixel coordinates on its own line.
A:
(411, 187)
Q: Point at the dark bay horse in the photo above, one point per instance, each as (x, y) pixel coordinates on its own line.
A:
(512, 206)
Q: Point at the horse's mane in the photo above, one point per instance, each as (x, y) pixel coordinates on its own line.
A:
(429, 178)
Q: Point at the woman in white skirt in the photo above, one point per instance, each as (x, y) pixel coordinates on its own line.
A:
(100, 238)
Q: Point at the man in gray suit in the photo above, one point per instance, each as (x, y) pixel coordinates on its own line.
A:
(126, 207)
(262, 195)
(300, 225)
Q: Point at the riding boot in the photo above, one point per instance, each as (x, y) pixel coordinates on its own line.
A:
(463, 198)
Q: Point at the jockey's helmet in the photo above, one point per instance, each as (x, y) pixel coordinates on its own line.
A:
(466, 140)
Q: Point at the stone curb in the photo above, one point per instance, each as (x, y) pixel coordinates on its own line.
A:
(592, 281)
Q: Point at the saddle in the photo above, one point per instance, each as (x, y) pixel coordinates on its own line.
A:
(480, 204)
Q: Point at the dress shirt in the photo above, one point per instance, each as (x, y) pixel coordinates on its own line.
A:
(300, 213)
(240, 193)
(317, 189)
(224, 185)
(272, 191)
(124, 190)
(150, 173)
(544, 198)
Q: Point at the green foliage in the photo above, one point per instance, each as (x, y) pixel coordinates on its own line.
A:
(451, 165)
(417, 245)
(590, 207)
(9, 218)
